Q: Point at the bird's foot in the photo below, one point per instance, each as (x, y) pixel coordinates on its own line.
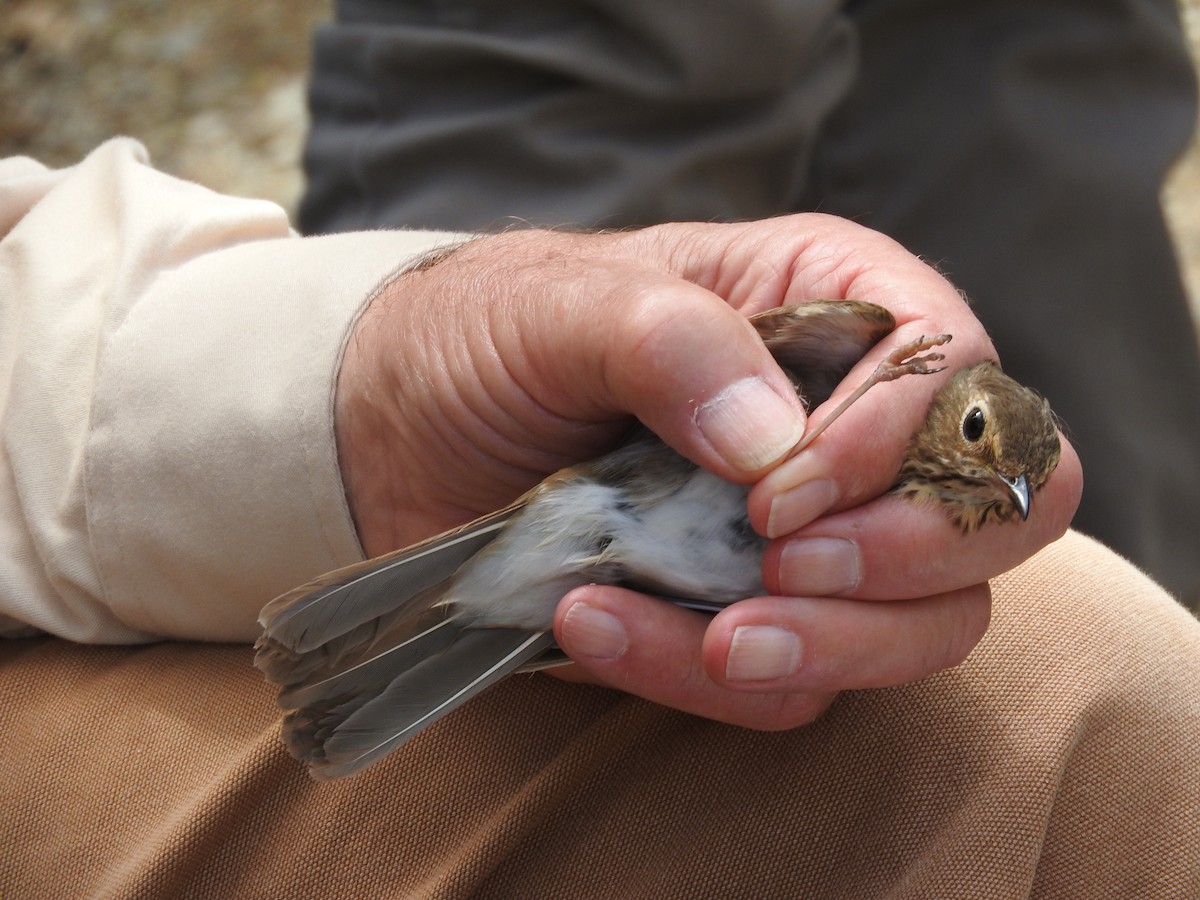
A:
(905, 361)
(900, 362)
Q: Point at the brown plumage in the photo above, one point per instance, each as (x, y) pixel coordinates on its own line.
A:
(370, 655)
(987, 445)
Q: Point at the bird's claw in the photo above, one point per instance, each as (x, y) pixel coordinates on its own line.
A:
(904, 360)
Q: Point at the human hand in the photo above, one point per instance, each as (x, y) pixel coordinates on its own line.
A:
(469, 381)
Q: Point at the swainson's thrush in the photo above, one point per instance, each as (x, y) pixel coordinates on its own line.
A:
(370, 655)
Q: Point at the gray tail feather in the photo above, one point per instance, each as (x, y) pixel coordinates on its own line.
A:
(344, 648)
(346, 617)
(374, 664)
(340, 601)
(344, 731)
(391, 640)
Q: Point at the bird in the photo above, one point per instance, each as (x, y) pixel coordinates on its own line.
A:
(368, 656)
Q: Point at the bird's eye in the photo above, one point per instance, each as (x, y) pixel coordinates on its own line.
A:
(973, 424)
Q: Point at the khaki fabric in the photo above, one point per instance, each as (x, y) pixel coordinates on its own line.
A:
(1059, 761)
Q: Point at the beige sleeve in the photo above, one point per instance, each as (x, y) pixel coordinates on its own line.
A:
(168, 359)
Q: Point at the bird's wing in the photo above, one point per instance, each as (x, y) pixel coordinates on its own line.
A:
(818, 343)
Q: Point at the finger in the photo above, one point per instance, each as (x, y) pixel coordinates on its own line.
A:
(774, 644)
(890, 548)
(653, 649)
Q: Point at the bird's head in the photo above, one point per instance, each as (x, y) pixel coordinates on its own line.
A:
(987, 446)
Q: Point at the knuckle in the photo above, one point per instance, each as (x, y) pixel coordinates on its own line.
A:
(786, 711)
(968, 613)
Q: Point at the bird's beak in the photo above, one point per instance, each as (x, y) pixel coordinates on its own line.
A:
(1019, 488)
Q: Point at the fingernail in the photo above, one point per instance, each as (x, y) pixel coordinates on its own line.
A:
(817, 567)
(593, 632)
(802, 504)
(763, 653)
(749, 424)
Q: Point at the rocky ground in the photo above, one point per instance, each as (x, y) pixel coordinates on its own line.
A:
(215, 89)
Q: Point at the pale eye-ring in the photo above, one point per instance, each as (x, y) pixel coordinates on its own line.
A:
(973, 424)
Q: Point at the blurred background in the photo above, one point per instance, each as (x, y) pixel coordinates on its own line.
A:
(215, 90)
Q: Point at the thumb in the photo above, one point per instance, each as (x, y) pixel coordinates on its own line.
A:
(677, 357)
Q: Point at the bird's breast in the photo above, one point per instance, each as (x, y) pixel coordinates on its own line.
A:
(691, 541)
(696, 544)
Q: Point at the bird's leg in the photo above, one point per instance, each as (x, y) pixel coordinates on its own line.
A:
(900, 362)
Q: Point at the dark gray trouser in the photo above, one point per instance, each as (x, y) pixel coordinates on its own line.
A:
(1020, 146)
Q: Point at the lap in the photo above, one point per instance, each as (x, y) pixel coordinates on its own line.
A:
(157, 771)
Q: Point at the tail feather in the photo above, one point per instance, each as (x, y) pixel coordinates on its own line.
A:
(341, 739)
(370, 655)
(347, 652)
(347, 616)
(375, 668)
(315, 613)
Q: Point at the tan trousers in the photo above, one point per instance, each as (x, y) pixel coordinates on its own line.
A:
(1061, 760)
